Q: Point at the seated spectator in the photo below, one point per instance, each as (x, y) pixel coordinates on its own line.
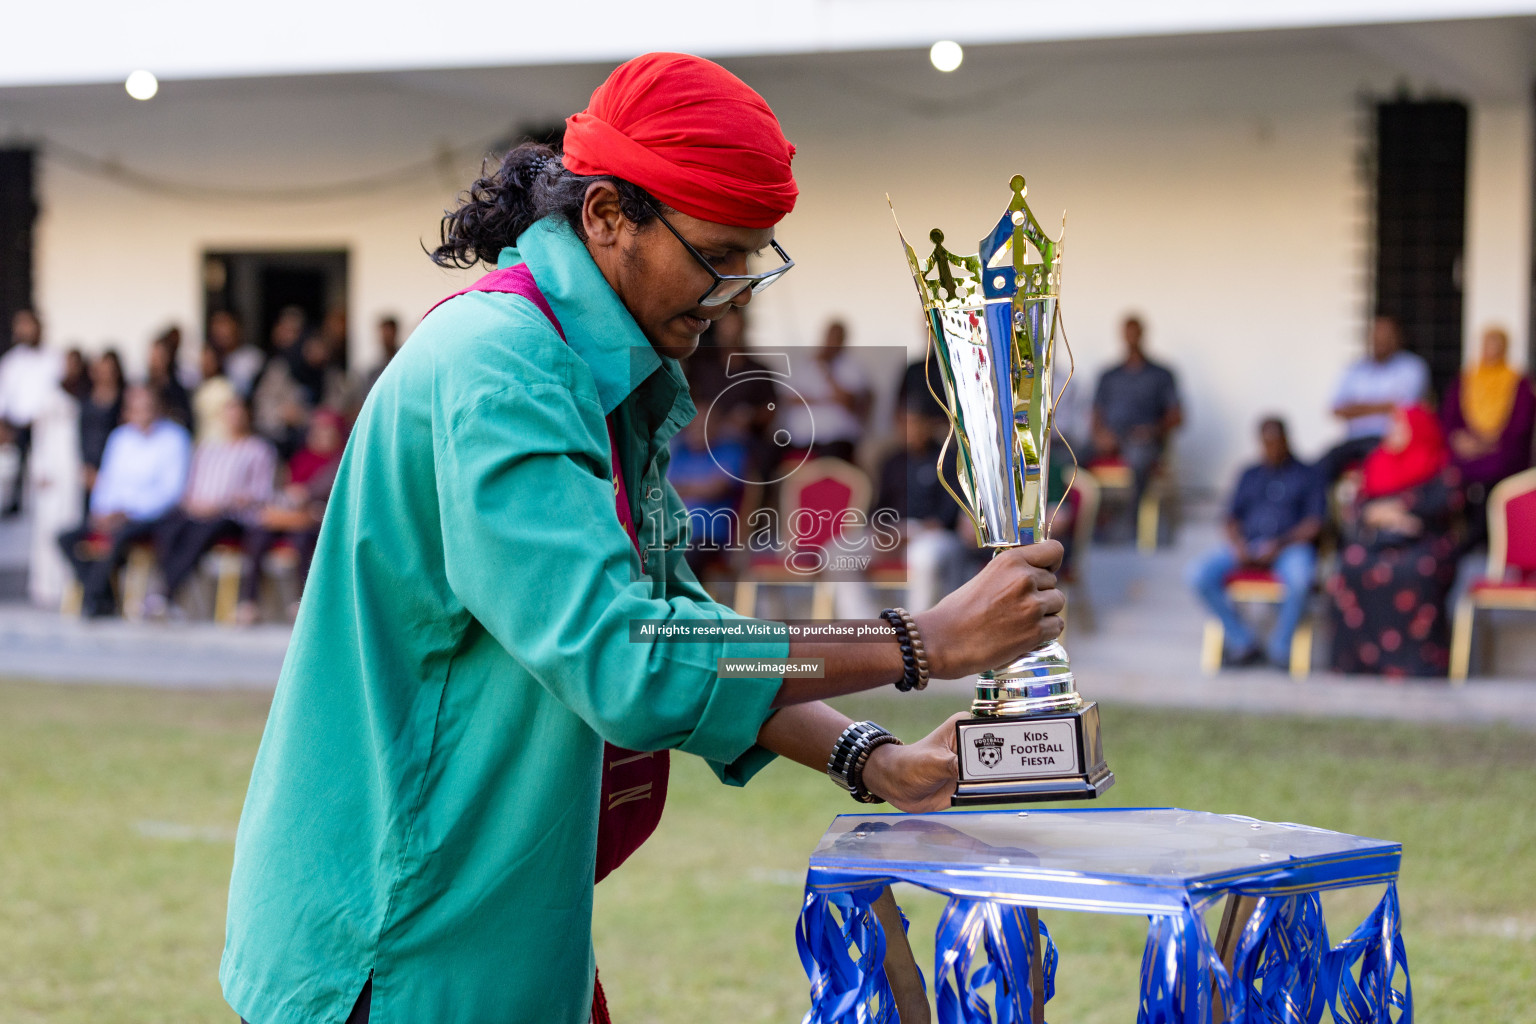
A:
(1062, 501)
(927, 515)
(229, 483)
(729, 385)
(921, 375)
(936, 545)
(313, 364)
(837, 399)
(293, 516)
(1397, 562)
(279, 406)
(242, 361)
(165, 378)
(101, 410)
(1371, 389)
(709, 473)
(212, 398)
(143, 473)
(1135, 410)
(1488, 415)
(1272, 523)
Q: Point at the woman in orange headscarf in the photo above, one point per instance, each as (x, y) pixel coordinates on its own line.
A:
(1398, 560)
(1488, 416)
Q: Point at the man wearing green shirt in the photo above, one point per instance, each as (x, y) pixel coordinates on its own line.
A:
(419, 838)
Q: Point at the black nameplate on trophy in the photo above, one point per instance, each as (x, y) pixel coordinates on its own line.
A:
(1036, 757)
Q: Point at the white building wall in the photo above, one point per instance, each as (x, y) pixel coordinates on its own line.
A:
(1498, 257)
(1212, 188)
(141, 269)
(1218, 198)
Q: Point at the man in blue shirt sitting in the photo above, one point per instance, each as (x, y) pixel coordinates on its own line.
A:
(1135, 410)
(1272, 524)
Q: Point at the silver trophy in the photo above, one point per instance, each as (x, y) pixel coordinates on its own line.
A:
(994, 319)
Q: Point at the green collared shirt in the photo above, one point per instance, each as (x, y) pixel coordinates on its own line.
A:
(424, 803)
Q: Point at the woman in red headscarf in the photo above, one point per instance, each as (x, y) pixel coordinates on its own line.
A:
(1398, 560)
(475, 713)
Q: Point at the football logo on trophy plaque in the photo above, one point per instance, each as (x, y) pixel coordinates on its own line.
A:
(994, 318)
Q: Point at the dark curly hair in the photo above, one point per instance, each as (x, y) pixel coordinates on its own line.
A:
(529, 184)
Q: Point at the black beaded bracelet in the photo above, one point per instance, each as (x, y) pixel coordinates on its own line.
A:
(851, 754)
(914, 656)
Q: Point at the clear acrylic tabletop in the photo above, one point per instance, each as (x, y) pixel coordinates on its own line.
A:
(1111, 860)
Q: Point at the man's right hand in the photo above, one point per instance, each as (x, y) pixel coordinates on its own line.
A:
(1105, 442)
(1263, 553)
(1467, 446)
(108, 523)
(1007, 610)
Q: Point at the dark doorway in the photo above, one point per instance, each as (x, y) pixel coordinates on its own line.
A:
(257, 286)
(18, 212)
(1421, 214)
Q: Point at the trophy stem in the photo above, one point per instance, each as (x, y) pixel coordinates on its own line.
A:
(1041, 682)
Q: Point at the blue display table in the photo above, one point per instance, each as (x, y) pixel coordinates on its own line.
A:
(1272, 960)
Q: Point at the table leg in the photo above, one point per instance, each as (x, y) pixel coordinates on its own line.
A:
(1234, 918)
(900, 965)
(1036, 968)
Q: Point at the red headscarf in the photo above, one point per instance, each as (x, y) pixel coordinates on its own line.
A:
(691, 134)
(1424, 455)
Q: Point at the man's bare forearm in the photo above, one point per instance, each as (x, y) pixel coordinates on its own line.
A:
(849, 667)
(804, 733)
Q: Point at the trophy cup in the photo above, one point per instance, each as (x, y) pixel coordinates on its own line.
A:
(994, 318)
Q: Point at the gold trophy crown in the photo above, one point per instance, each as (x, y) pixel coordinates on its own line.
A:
(994, 318)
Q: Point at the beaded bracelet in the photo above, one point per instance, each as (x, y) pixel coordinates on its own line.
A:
(914, 656)
(851, 754)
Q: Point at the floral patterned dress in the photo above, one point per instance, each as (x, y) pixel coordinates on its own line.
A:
(1389, 595)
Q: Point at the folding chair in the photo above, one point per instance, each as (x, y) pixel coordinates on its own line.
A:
(1509, 581)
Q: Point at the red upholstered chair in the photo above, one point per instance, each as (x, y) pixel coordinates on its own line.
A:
(825, 488)
(1256, 586)
(1509, 582)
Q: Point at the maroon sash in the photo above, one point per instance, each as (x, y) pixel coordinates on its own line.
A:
(634, 788)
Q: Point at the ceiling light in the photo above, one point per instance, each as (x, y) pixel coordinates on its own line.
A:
(946, 54)
(142, 85)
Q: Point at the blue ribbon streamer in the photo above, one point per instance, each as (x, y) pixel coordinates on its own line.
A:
(1377, 946)
(1280, 967)
(1287, 973)
(1180, 971)
(1284, 970)
(1002, 932)
(843, 950)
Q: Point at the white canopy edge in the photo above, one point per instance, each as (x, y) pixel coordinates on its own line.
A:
(94, 41)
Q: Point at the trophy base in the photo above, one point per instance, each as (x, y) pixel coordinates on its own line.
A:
(1031, 758)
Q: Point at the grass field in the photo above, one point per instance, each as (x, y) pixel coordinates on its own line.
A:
(118, 807)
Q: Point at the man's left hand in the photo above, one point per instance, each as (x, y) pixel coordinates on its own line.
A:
(918, 778)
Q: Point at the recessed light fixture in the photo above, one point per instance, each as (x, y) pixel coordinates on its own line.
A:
(142, 85)
(946, 54)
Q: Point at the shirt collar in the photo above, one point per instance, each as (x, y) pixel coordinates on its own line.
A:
(597, 326)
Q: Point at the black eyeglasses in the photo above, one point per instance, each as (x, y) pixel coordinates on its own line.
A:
(727, 286)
